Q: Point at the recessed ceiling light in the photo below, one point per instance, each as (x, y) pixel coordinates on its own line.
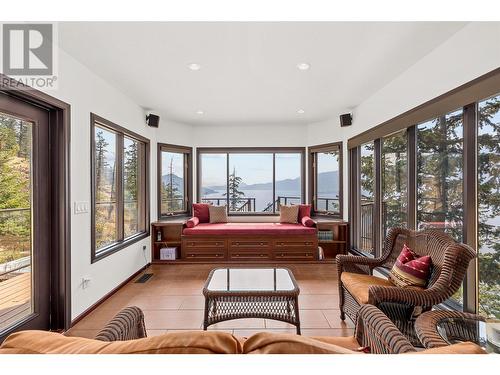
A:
(199, 112)
(303, 66)
(194, 66)
(300, 111)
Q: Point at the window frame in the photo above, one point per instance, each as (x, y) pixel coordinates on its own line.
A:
(121, 133)
(465, 97)
(312, 177)
(252, 150)
(188, 180)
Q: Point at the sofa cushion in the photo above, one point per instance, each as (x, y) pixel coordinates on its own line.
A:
(348, 342)
(200, 210)
(191, 223)
(218, 214)
(410, 270)
(281, 343)
(250, 229)
(460, 348)
(189, 342)
(307, 221)
(358, 285)
(289, 214)
(304, 210)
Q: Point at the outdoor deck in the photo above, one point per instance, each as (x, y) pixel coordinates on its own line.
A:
(15, 299)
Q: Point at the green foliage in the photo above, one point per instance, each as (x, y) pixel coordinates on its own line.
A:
(15, 195)
(235, 194)
(172, 198)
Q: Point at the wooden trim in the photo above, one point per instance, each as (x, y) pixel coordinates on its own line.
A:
(477, 89)
(188, 179)
(470, 126)
(121, 132)
(60, 134)
(412, 178)
(106, 296)
(313, 181)
(377, 195)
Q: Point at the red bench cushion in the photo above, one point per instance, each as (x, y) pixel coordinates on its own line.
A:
(249, 228)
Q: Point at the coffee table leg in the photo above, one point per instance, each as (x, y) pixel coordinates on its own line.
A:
(205, 315)
(297, 315)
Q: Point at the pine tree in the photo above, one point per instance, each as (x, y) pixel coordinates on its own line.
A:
(100, 162)
(131, 172)
(174, 198)
(235, 194)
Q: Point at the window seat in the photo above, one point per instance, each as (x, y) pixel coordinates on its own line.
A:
(249, 228)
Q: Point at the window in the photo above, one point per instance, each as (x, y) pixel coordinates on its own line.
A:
(120, 163)
(325, 177)
(489, 206)
(251, 180)
(394, 181)
(439, 168)
(174, 179)
(367, 198)
(440, 174)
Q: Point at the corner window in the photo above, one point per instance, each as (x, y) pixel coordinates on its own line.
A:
(120, 206)
(325, 176)
(174, 182)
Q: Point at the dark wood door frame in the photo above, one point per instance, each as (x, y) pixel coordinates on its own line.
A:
(60, 212)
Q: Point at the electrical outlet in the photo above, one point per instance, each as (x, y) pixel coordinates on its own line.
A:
(144, 248)
(81, 207)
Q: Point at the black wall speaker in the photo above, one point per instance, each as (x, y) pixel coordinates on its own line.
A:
(153, 120)
(346, 119)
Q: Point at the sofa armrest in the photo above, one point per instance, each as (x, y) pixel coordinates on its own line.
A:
(128, 324)
(306, 221)
(374, 330)
(191, 223)
(409, 296)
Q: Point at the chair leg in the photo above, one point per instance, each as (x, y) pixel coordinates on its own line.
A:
(342, 315)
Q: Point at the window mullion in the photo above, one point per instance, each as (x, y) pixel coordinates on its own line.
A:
(119, 186)
(274, 182)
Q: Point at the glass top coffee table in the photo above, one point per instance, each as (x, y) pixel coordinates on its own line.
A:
(237, 293)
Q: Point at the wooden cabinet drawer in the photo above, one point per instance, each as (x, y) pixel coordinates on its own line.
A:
(204, 244)
(249, 244)
(294, 244)
(295, 255)
(205, 255)
(252, 255)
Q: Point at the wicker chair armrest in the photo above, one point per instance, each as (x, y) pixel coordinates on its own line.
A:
(410, 296)
(353, 260)
(376, 331)
(128, 324)
(426, 326)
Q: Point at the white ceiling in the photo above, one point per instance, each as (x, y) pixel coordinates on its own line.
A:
(248, 70)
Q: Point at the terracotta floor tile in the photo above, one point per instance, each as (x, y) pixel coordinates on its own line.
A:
(173, 319)
(318, 301)
(155, 332)
(157, 302)
(192, 302)
(308, 319)
(328, 332)
(250, 332)
(333, 317)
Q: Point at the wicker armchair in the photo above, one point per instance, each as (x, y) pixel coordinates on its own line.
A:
(449, 259)
(128, 324)
(459, 326)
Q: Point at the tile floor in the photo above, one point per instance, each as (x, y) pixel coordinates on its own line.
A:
(172, 300)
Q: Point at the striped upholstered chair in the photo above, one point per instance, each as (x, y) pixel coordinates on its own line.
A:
(128, 324)
(358, 286)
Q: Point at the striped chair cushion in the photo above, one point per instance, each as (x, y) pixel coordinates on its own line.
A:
(410, 270)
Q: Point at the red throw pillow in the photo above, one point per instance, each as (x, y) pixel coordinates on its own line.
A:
(410, 270)
(191, 223)
(308, 222)
(304, 210)
(200, 210)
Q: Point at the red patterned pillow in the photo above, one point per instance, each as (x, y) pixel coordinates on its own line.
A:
(410, 270)
(191, 223)
(200, 210)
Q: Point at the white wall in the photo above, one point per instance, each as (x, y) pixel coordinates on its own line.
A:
(86, 93)
(442, 70)
(445, 68)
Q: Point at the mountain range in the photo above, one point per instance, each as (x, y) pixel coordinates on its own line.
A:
(325, 180)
